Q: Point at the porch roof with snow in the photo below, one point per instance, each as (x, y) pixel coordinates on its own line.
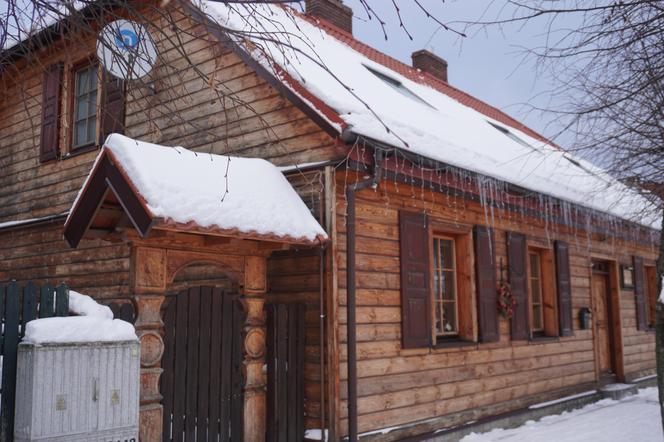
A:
(148, 186)
(355, 89)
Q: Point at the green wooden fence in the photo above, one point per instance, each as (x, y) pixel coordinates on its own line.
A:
(17, 307)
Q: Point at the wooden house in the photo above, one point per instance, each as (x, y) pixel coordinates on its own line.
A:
(436, 208)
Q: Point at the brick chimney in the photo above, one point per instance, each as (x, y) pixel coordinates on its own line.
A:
(333, 11)
(427, 61)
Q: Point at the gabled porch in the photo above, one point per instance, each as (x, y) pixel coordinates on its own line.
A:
(201, 228)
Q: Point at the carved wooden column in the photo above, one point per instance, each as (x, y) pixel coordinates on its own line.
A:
(253, 299)
(149, 283)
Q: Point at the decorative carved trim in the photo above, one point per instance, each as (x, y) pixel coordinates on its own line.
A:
(152, 348)
(177, 260)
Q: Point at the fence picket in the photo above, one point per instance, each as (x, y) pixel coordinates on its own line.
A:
(14, 315)
(62, 300)
(11, 336)
(3, 290)
(47, 301)
(29, 305)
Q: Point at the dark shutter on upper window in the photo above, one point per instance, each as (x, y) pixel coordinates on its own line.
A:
(48, 144)
(415, 280)
(640, 294)
(485, 275)
(113, 107)
(564, 284)
(516, 256)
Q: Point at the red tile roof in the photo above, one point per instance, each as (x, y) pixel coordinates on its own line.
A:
(420, 76)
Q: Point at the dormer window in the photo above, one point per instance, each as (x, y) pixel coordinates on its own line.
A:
(398, 86)
(512, 136)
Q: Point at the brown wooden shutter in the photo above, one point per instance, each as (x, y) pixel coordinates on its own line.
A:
(50, 133)
(564, 284)
(640, 294)
(516, 256)
(517, 260)
(415, 280)
(113, 107)
(487, 294)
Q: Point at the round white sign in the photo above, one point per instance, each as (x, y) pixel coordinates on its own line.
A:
(126, 49)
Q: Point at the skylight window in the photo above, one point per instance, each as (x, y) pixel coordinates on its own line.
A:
(512, 136)
(398, 86)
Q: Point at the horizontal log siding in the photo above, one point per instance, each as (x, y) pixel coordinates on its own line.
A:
(39, 254)
(247, 118)
(252, 119)
(398, 386)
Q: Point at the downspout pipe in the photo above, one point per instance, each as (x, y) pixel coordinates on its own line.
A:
(351, 326)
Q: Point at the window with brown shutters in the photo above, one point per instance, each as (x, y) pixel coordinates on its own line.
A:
(516, 259)
(415, 280)
(50, 126)
(564, 286)
(437, 302)
(640, 294)
(96, 105)
(485, 276)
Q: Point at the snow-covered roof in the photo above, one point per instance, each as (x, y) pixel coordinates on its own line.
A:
(187, 190)
(407, 109)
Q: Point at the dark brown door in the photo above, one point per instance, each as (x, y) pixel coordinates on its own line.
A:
(202, 379)
(601, 317)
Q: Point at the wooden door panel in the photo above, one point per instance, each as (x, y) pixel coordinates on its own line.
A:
(202, 379)
(601, 321)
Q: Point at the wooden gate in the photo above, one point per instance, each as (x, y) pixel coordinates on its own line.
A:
(16, 309)
(202, 379)
(285, 371)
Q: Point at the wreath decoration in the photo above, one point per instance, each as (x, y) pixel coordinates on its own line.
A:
(506, 301)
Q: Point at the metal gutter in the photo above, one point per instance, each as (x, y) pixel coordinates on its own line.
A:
(19, 224)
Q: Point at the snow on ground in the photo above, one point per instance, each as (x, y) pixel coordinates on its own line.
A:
(249, 195)
(633, 419)
(370, 98)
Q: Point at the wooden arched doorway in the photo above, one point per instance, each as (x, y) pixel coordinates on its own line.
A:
(202, 382)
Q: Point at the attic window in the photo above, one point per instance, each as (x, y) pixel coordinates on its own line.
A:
(512, 136)
(398, 86)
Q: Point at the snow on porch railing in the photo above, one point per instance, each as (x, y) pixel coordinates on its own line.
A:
(17, 307)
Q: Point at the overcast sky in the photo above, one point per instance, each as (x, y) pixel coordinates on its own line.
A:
(487, 64)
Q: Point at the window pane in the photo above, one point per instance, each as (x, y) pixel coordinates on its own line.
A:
(81, 82)
(449, 320)
(81, 109)
(436, 248)
(534, 265)
(80, 133)
(92, 104)
(92, 125)
(536, 291)
(446, 253)
(448, 285)
(537, 317)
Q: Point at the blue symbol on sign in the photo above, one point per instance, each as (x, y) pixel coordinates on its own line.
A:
(126, 39)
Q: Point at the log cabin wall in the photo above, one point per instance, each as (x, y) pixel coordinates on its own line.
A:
(258, 121)
(398, 386)
(184, 111)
